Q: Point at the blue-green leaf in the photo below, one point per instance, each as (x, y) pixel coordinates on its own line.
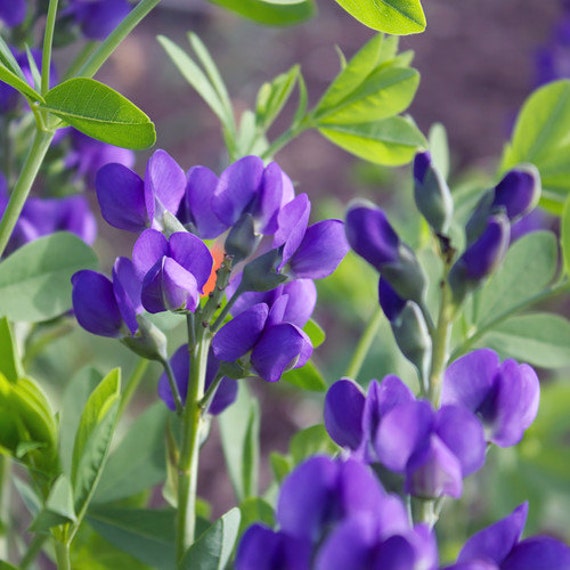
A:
(100, 112)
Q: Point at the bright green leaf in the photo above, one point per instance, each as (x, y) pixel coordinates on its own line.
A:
(565, 235)
(308, 377)
(93, 438)
(390, 142)
(213, 549)
(6, 566)
(315, 333)
(58, 508)
(10, 363)
(271, 97)
(8, 60)
(281, 465)
(271, 12)
(311, 441)
(101, 113)
(256, 510)
(541, 138)
(20, 85)
(541, 339)
(439, 148)
(398, 17)
(35, 281)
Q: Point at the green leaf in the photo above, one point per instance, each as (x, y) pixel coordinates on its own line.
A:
(270, 12)
(35, 280)
(271, 97)
(138, 462)
(439, 148)
(387, 91)
(311, 441)
(100, 112)
(528, 267)
(58, 508)
(303, 102)
(390, 142)
(8, 60)
(6, 566)
(398, 17)
(148, 535)
(213, 549)
(541, 339)
(308, 377)
(256, 510)
(20, 85)
(239, 427)
(93, 438)
(565, 236)
(10, 363)
(281, 465)
(315, 332)
(541, 137)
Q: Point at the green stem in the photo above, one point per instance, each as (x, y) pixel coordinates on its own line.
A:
(34, 549)
(132, 384)
(545, 295)
(364, 344)
(62, 555)
(173, 386)
(107, 47)
(48, 43)
(34, 159)
(190, 447)
(286, 137)
(219, 321)
(5, 472)
(204, 403)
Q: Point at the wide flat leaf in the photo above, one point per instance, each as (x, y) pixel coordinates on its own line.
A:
(541, 339)
(35, 280)
(100, 112)
(10, 363)
(390, 142)
(271, 12)
(398, 17)
(213, 549)
(541, 137)
(565, 236)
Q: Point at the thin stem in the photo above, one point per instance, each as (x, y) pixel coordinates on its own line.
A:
(5, 472)
(107, 47)
(62, 555)
(205, 402)
(48, 43)
(173, 386)
(34, 159)
(132, 384)
(218, 322)
(34, 549)
(364, 344)
(286, 137)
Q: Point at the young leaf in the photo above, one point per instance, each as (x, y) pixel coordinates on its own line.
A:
(308, 377)
(439, 148)
(272, 97)
(213, 549)
(101, 113)
(35, 280)
(315, 333)
(271, 12)
(8, 60)
(256, 510)
(565, 236)
(398, 17)
(93, 438)
(19, 84)
(10, 363)
(311, 441)
(58, 508)
(541, 137)
(390, 142)
(239, 426)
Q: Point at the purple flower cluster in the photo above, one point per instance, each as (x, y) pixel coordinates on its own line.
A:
(97, 18)
(335, 515)
(12, 12)
(434, 450)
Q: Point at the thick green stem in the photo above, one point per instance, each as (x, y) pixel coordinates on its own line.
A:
(48, 43)
(190, 447)
(62, 555)
(34, 159)
(364, 344)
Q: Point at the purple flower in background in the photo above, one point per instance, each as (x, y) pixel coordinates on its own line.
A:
(104, 307)
(553, 58)
(173, 271)
(12, 12)
(129, 203)
(498, 547)
(226, 392)
(276, 345)
(504, 396)
(97, 18)
(88, 155)
(535, 221)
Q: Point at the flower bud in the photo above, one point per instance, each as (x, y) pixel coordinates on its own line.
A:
(518, 192)
(241, 240)
(150, 342)
(432, 194)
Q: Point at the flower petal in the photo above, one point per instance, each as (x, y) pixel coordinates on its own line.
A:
(344, 406)
(148, 249)
(127, 287)
(192, 254)
(538, 552)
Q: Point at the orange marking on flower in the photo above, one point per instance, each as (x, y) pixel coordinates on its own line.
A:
(217, 251)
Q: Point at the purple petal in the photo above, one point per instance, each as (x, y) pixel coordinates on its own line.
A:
(280, 348)
(292, 224)
(224, 397)
(165, 181)
(192, 254)
(538, 552)
(302, 300)
(238, 336)
(495, 542)
(392, 392)
(463, 434)
(344, 406)
(13, 12)
(323, 247)
(94, 304)
(277, 310)
(238, 185)
(148, 249)
(98, 19)
(196, 207)
(422, 162)
(127, 287)
(396, 553)
(276, 191)
(392, 304)
(402, 432)
(121, 196)
(518, 191)
(370, 234)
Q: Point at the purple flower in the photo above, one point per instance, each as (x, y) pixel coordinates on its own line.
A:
(130, 204)
(97, 18)
(88, 155)
(537, 220)
(173, 271)
(275, 344)
(104, 307)
(226, 392)
(498, 547)
(553, 59)
(12, 12)
(504, 396)
(518, 192)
